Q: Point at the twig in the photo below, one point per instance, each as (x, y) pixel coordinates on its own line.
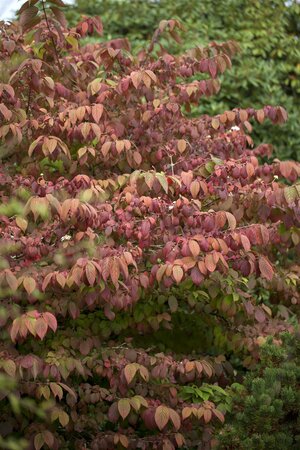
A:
(52, 39)
(29, 99)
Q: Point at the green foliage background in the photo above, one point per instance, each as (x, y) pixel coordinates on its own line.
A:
(266, 72)
(266, 409)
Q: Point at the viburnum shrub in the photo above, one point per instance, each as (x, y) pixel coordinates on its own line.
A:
(145, 255)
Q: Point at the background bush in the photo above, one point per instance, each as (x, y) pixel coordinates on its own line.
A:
(266, 72)
(266, 409)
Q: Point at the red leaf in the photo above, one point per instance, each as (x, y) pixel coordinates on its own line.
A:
(48, 438)
(27, 16)
(212, 67)
(265, 268)
(259, 315)
(113, 413)
(85, 347)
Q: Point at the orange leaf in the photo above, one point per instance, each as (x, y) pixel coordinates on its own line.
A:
(207, 415)
(144, 373)
(207, 368)
(179, 439)
(230, 116)
(195, 188)
(246, 243)
(260, 115)
(162, 415)
(124, 407)
(119, 146)
(129, 372)
(209, 262)
(177, 273)
(97, 111)
(48, 438)
(190, 365)
(15, 328)
(160, 273)
(219, 415)
(194, 248)
(29, 285)
(11, 280)
(105, 148)
(41, 328)
(123, 440)
(90, 272)
(175, 419)
(57, 390)
(181, 145)
(243, 115)
(51, 320)
(21, 223)
(63, 418)
(114, 271)
(215, 123)
(231, 220)
(186, 412)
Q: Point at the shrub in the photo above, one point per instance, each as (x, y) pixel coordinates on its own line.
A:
(267, 71)
(266, 413)
(142, 252)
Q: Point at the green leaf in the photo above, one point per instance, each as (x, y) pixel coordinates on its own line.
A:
(163, 181)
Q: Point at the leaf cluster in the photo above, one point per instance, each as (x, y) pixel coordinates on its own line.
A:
(267, 70)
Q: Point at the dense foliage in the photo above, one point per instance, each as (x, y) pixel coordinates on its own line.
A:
(267, 70)
(267, 407)
(145, 255)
